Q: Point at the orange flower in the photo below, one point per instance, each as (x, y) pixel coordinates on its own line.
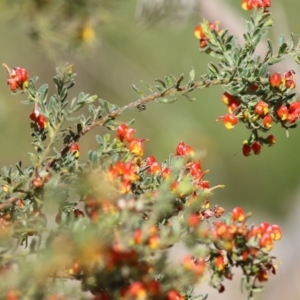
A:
(267, 121)
(229, 121)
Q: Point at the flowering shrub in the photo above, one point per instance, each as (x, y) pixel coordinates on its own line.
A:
(118, 213)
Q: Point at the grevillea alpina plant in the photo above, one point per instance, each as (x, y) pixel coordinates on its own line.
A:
(118, 213)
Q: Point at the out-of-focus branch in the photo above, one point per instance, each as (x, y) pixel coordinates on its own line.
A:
(164, 11)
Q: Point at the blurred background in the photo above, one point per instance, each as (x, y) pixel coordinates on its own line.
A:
(114, 44)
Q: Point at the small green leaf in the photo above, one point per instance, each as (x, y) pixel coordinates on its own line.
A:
(63, 94)
(74, 109)
(213, 69)
(274, 60)
(126, 110)
(93, 156)
(27, 102)
(112, 124)
(91, 108)
(99, 139)
(159, 88)
(282, 49)
(91, 99)
(130, 122)
(106, 106)
(31, 87)
(147, 85)
(19, 168)
(165, 100)
(263, 70)
(43, 88)
(161, 82)
(297, 59)
(217, 55)
(281, 40)
(81, 97)
(139, 92)
(192, 74)
(73, 102)
(57, 82)
(52, 104)
(257, 290)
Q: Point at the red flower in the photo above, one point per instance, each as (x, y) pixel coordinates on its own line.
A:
(246, 149)
(227, 98)
(196, 169)
(289, 75)
(271, 140)
(231, 102)
(17, 78)
(75, 149)
(263, 227)
(136, 147)
(200, 34)
(266, 242)
(256, 147)
(250, 4)
(229, 121)
(174, 295)
(193, 220)
(275, 80)
(282, 112)
(41, 121)
(262, 275)
(136, 290)
(261, 108)
(150, 160)
(154, 168)
(294, 107)
(165, 173)
(184, 150)
(78, 213)
(219, 263)
(275, 232)
(34, 115)
(125, 133)
(289, 79)
(267, 121)
(138, 236)
(238, 214)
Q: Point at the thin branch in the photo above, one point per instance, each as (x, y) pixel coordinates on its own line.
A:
(139, 102)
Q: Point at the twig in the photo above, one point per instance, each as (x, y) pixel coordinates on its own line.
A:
(136, 104)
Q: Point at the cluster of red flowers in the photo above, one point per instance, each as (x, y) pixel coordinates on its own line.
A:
(193, 168)
(17, 78)
(250, 4)
(38, 119)
(287, 81)
(201, 35)
(127, 173)
(263, 114)
(41, 122)
(136, 146)
(196, 266)
(247, 243)
(155, 168)
(225, 233)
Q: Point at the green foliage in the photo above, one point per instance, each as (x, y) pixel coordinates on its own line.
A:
(118, 213)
